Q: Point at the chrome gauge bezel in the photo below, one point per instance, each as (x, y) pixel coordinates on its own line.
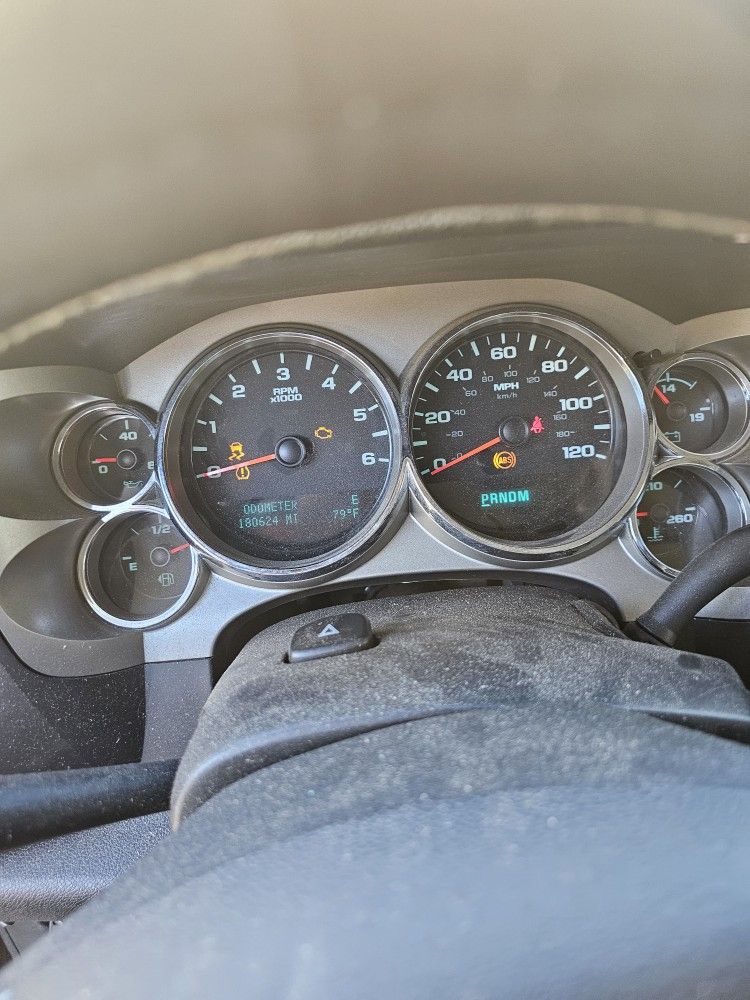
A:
(639, 428)
(87, 572)
(735, 385)
(68, 442)
(385, 518)
(730, 491)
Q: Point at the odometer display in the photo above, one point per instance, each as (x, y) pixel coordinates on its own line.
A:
(517, 429)
(287, 451)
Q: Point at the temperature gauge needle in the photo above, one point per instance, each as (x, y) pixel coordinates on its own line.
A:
(467, 454)
(660, 395)
(238, 465)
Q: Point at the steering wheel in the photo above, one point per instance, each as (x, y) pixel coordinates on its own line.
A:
(503, 796)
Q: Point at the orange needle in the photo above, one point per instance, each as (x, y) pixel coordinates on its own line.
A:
(468, 454)
(179, 548)
(661, 396)
(239, 465)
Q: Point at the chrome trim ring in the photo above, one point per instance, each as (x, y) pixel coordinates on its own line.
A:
(92, 591)
(382, 523)
(730, 491)
(68, 441)
(736, 388)
(639, 429)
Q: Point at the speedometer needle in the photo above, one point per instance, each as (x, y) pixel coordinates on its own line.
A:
(238, 465)
(467, 454)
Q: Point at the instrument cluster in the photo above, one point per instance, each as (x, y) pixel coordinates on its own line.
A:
(286, 454)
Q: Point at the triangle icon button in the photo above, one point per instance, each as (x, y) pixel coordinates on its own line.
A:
(327, 630)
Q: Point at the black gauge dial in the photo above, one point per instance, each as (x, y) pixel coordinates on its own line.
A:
(104, 455)
(701, 406)
(287, 451)
(684, 510)
(517, 431)
(137, 568)
(116, 458)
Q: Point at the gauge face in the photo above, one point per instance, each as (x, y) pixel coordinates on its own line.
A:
(137, 568)
(701, 406)
(287, 450)
(684, 510)
(116, 459)
(105, 456)
(517, 430)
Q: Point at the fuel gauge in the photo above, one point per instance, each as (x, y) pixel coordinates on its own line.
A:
(136, 570)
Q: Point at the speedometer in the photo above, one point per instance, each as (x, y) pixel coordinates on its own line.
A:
(529, 432)
(280, 454)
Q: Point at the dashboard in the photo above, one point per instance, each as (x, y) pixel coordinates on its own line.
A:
(471, 429)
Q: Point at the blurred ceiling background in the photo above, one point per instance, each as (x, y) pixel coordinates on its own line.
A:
(136, 133)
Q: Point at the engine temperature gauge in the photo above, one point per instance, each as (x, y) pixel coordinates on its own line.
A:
(136, 570)
(684, 509)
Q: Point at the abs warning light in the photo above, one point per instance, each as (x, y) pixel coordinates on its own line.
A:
(504, 460)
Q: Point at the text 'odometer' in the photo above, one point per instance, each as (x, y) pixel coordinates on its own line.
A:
(517, 431)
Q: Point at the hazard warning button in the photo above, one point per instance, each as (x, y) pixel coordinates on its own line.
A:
(347, 633)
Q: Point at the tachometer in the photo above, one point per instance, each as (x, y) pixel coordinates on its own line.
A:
(281, 455)
(529, 432)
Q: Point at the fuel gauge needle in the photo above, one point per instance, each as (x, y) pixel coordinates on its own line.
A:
(467, 454)
(660, 395)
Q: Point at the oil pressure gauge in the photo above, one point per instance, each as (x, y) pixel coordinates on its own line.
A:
(104, 456)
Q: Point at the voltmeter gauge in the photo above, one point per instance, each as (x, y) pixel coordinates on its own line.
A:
(136, 570)
(104, 456)
(684, 509)
(701, 405)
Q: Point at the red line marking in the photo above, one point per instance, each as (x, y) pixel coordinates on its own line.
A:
(468, 454)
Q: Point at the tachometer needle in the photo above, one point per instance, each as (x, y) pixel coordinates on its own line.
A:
(467, 454)
(660, 395)
(238, 465)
